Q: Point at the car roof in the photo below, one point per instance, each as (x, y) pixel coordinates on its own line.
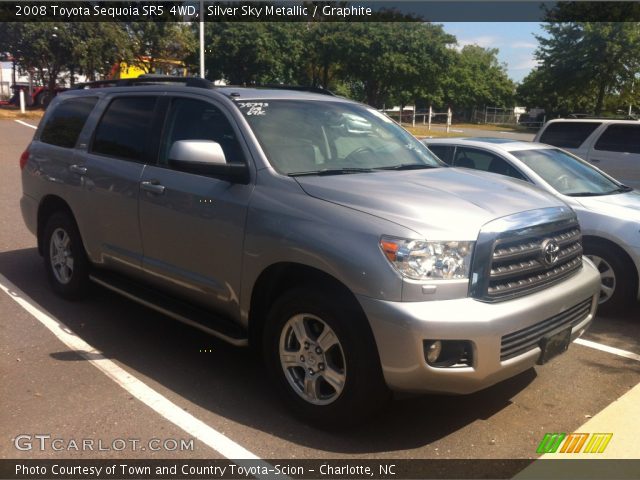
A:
(491, 143)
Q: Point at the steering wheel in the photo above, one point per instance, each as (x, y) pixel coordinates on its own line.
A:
(356, 153)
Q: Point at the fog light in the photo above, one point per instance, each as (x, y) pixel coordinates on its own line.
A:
(433, 351)
(448, 353)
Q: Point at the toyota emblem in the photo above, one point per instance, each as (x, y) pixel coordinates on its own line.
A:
(550, 251)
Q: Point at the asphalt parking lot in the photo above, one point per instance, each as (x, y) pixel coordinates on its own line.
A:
(48, 388)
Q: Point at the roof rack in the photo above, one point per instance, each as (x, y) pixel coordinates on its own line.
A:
(586, 116)
(147, 79)
(279, 86)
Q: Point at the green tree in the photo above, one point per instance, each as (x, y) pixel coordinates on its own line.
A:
(397, 62)
(102, 46)
(45, 49)
(152, 42)
(583, 59)
(476, 78)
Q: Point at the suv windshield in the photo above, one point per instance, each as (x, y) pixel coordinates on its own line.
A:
(311, 137)
(568, 174)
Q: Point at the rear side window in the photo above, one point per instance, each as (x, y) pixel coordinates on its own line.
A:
(488, 162)
(620, 138)
(123, 131)
(568, 134)
(65, 123)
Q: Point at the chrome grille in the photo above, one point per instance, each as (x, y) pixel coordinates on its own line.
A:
(522, 341)
(518, 264)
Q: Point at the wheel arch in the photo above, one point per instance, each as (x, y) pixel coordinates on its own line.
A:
(49, 205)
(609, 244)
(277, 278)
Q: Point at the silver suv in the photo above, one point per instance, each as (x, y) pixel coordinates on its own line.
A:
(311, 227)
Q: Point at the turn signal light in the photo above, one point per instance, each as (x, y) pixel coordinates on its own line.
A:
(24, 158)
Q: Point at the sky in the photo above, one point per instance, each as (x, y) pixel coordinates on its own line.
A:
(514, 40)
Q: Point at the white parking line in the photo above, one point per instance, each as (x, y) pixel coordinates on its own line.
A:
(26, 124)
(169, 410)
(608, 349)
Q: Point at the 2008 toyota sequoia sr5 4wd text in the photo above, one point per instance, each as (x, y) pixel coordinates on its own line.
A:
(310, 226)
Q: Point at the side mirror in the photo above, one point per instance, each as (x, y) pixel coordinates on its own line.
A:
(205, 157)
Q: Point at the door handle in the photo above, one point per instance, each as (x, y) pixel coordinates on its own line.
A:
(152, 186)
(79, 169)
(594, 160)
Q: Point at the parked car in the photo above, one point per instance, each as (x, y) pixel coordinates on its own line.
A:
(311, 227)
(608, 211)
(611, 145)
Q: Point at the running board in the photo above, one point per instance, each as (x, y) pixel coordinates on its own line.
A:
(176, 309)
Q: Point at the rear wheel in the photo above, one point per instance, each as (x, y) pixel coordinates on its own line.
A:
(323, 359)
(618, 280)
(65, 260)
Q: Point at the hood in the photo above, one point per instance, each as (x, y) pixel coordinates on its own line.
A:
(621, 205)
(439, 204)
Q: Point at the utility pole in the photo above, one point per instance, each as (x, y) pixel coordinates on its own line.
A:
(201, 38)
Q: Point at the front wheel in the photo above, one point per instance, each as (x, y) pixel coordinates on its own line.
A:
(323, 359)
(617, 279)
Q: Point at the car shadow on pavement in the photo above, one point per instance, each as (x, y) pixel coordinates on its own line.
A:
(182, 363)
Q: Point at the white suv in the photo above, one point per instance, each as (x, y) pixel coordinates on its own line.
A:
(611, 145)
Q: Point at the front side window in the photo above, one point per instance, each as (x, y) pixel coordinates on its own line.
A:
(568, 134)
(312, 137)
(65, 123)
(620, 138)
(567, 174)
(191, 119)
(124, 129)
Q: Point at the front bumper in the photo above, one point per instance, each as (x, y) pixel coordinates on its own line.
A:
(400, 328)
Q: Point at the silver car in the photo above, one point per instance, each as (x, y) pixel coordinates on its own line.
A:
(310, 227)
(608, 211)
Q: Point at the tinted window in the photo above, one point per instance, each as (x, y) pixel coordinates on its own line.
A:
(190, 119)
(620, 138)
(480, 160)
(568, 134)
(443, 152)
(123, 130)
(65, 123)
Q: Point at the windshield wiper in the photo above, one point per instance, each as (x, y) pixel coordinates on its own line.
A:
(407, 166)
(620, 189)
(332, 171)
(585, 194)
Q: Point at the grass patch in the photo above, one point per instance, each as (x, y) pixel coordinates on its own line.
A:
(11, 113)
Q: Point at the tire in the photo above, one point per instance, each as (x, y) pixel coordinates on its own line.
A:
(65, 260)
(618, 280)
(335, 377)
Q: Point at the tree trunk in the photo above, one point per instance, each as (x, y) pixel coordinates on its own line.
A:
(600, 99)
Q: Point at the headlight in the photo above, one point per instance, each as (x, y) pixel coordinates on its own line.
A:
(422, 260)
